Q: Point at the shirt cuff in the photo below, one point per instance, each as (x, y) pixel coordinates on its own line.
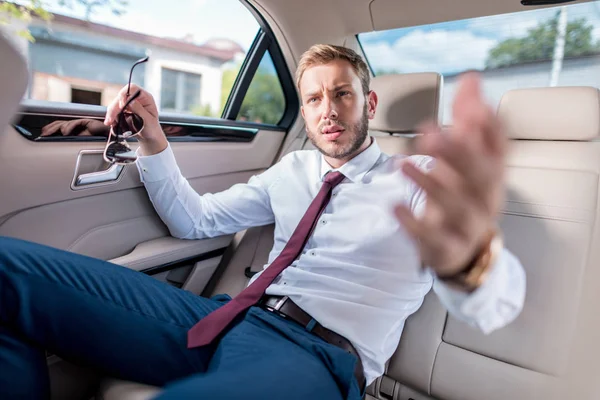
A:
(156, 167)
(496, 302)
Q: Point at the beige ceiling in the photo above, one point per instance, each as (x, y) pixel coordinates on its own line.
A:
(301, 23)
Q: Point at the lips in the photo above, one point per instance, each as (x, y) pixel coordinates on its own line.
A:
(332, 132)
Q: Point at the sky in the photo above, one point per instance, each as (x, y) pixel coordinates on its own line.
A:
(204, 19)
(447, 47)
(459, 45)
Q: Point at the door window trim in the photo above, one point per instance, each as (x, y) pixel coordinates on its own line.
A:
(264, 41)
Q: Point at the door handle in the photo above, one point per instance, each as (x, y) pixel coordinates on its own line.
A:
(108, 175)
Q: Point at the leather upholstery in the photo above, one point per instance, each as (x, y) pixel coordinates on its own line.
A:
(549, 222)
(14, 79)
(558, 113)
(405, 101)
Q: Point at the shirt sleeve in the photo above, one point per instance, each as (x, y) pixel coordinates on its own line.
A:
(498, 301)
(189, 215)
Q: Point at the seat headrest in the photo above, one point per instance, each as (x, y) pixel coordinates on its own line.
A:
(551, 113)
(405, 101)
(13, 80)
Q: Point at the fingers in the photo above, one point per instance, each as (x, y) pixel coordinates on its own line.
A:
(433, 187)
(468, 163)
(145, 101)
(52, 128)
(447, 205)
(475, 119)
(433, 240)
(140, 110)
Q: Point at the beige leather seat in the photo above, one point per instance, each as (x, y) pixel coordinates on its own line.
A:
(550, 224)
(404, 102)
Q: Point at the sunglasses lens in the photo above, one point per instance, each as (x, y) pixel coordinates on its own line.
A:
(131, 124)
(120, 153)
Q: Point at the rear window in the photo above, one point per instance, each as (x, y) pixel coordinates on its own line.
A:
(557, 46)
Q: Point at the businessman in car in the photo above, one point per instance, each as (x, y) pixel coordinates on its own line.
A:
(360, 238)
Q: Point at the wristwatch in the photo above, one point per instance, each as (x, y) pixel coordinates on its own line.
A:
(475, 273)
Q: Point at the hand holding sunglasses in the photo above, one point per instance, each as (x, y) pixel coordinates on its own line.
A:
(128, 124)
(133, 116)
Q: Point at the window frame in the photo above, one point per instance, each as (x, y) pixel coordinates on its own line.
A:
(263, 42)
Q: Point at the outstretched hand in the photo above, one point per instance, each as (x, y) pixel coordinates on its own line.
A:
(465, 188)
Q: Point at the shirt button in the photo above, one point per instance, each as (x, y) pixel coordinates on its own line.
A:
(323, 222)
(144, 169)
(312, 253)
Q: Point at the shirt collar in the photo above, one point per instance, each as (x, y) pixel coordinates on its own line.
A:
(356, 168)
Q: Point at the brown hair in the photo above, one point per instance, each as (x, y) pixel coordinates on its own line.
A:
(320, 54)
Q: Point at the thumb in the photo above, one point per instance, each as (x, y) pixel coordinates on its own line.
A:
(140, 110)
(152, 129)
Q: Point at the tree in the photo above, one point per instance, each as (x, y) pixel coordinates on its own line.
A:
(25, 13)
(35, 8)
(227, 82)
(204, 110)
(264, 101)
(116, 6)
(539, 44)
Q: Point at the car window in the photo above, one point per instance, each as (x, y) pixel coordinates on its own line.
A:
(83, 55)
(264, 102)
(558, 46)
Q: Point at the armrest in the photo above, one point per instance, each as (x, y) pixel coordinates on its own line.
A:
(169, 249)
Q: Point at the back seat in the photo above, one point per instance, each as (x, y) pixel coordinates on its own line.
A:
(549, 222)
(404, 101)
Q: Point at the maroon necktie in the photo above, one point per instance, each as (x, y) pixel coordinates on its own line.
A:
(209, 327)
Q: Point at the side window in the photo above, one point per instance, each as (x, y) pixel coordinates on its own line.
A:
(264, 101)
(180, 91)
(82, 54)
(558, 46)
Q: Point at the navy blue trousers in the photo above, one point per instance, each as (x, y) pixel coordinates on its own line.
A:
(127, 325)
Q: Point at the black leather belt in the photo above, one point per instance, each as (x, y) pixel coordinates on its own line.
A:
(286, 308)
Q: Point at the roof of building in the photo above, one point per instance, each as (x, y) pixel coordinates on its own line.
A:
(223, 53)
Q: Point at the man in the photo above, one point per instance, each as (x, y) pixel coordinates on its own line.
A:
(356, 249)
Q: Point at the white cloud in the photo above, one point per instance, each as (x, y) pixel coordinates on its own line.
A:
(436, 50)
(518, 24)
(203, 19)
(197, 4)
(150, 24)
(596, 32)
(508, 25)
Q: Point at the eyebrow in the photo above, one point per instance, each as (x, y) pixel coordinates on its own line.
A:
(335, 89)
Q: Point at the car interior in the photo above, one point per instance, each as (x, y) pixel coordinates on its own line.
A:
(60, 192)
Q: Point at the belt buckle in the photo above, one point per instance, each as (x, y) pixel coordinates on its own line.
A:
(275, 308)
(280, 303)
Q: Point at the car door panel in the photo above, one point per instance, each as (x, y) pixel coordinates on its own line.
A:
(108, 221)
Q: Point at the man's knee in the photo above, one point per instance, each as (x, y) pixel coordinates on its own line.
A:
(17, 252)
(8, 245)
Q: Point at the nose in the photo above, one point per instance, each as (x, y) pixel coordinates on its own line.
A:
(329, 109)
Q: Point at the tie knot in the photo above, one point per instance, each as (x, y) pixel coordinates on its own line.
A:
(334, 178)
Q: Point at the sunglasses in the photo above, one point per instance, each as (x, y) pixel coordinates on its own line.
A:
(128, 124)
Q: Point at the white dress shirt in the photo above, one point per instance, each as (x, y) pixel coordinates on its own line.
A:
(360, 273)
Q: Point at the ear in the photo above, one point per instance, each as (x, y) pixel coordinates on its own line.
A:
(302, 111)
(372, 104)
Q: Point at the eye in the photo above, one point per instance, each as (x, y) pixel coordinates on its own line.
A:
(311, 100)
(343, 93)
